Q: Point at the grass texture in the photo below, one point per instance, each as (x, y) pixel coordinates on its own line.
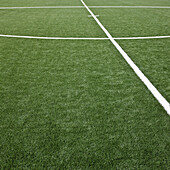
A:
(128, 2)
(21, 3)
(76, 104)
(135, 22)
(49, 22)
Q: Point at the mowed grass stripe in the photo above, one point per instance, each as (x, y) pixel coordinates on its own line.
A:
(76, 105)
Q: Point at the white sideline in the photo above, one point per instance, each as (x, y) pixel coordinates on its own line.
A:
(81, 38)
(62, 7)
(139, 73)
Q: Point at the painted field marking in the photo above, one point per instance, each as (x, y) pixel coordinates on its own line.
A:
(141, 38)
(81, 38)
(138, 72)
(95, 15)
(62, 7)
(52, 38)
(42, 7)
(154, 7)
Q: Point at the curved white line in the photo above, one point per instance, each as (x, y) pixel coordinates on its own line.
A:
(52, 38)
(62, 7)
(81, 38)
(141, 38)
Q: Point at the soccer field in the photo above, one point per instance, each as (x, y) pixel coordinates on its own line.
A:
(70, 97)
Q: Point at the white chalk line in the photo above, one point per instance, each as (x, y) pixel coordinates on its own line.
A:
(138, 72)
(65, 7)
(141, 38)
(52, 38)
(166, 7)
(91, 16)
(42, 7)
(82, 38)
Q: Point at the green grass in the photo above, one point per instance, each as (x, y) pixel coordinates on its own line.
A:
(135, 22)
(128, 2)
(89, 2)
(49, 22)
(152, 58)
(64, 106)
(76, 104)
(11, 3)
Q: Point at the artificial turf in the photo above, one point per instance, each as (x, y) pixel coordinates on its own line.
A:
(49, 22)
(76, 104)
(128, 2)
(15, 3)
(152, 57)
(133, 22)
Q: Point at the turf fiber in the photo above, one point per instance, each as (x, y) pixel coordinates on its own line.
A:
(76, 104)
